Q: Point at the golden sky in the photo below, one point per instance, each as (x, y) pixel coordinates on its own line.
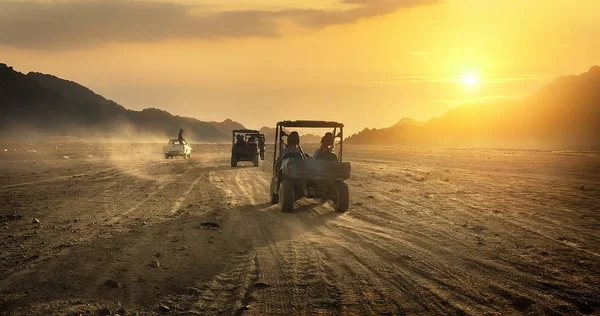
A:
(367, 63)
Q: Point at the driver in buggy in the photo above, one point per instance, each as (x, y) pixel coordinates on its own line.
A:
(240, 140)
(293, 145)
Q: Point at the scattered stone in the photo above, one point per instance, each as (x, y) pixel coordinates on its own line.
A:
(113, 284)
(104, 311)
(522, 304)
(5, 150)
(157, 255)
(370, 197)
(90, 156)
(245, 308)
(164, 308)
(36, 221)
(582, 188)
(122, 311)
(260, 285)
(144, 223)
(210, 225)
(155, 264)
(65, 157)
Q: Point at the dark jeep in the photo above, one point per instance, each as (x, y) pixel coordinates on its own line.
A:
(242, 149)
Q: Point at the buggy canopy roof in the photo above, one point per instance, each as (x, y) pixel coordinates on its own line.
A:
(246, 131)
(310, 124)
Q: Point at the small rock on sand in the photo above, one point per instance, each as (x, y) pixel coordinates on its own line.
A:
(164, 308)
(155, 264)
(90, 156)
(113, 284)
(36, 221)
(104, 311)
(65, 157)
(582, 188)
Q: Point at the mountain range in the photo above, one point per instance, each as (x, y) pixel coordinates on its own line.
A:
(38, 104)
(565, 114)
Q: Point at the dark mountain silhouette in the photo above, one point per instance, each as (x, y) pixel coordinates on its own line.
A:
(43, 105)
(227, 126)
(564, 114)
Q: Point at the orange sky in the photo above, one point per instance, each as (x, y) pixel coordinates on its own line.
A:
(364, 62)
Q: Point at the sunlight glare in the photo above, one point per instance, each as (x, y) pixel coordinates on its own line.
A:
(470, 80)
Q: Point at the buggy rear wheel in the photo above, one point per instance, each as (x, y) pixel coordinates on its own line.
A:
(287, 196)
(233, 160)
(274, 195)
(255, 161)
(166, 156)
(341, 197)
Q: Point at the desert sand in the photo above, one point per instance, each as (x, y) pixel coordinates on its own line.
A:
(429, 231)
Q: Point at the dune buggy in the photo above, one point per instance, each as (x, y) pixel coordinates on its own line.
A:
(297, 175)
(245, 146)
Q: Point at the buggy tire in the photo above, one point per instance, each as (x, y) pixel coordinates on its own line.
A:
(184, 156)
(262, 155)
(273, 195)
(287, 196)
(255, 161)
(233, 161)
(341, 197)
(166, 156)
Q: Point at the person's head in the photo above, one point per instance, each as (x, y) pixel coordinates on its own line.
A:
(293, 139)
(239, 138)
(181, 130)
(327, 140)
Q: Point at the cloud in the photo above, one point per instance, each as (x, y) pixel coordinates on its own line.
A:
(72, 24)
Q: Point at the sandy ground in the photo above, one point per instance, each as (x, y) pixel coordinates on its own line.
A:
(429, 231)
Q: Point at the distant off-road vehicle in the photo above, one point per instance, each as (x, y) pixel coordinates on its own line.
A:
(176, 148)
(245, 146)
(297, 175)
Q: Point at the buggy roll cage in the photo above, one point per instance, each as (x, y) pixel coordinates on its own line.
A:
(245, 132)
(279, 133)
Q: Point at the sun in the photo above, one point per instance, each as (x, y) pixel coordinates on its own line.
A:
(470, 80)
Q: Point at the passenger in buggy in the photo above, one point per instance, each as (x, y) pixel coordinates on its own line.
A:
(252, 141)
(326, 151)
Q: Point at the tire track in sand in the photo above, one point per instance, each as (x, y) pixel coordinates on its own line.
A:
(272, 289)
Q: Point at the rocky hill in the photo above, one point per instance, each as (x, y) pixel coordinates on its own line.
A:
(565, 114)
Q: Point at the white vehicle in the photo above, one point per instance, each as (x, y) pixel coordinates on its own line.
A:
(175, 148)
